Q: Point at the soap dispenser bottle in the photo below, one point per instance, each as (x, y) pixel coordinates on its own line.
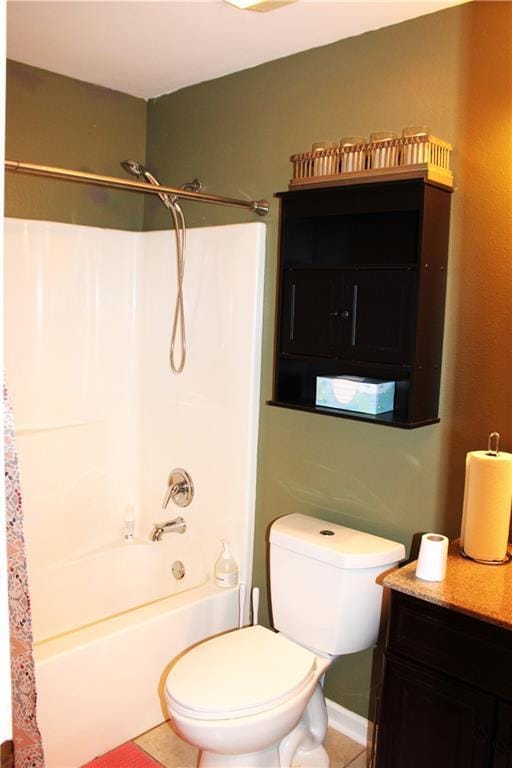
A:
(226, 568)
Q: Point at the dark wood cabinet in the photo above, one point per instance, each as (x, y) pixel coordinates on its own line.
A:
(351, 314)
(310, 312)
(446, 691)
(378, 323)
(361, 291)
(502, 757)
(435, 721)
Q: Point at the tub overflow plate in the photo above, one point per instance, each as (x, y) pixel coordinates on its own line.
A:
(178, 570)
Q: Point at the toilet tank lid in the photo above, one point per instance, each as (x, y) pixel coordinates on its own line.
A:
(334, 544)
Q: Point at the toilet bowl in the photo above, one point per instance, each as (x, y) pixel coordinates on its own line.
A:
(251, 698)
(259, 684)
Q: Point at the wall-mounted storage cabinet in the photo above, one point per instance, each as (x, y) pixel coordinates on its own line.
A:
(361, 291)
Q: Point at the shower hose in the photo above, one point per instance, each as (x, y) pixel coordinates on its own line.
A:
(178, 325)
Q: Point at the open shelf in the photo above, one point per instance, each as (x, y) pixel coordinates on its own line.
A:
(389, 419)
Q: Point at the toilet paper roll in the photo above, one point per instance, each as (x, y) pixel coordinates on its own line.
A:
(432, 558)
(486, 507)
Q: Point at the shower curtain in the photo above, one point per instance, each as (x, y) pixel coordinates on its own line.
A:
(28, 749)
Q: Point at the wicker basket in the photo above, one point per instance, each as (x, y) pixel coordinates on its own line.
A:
(413, 156)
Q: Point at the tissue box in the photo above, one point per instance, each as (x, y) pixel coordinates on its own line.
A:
(355, 393)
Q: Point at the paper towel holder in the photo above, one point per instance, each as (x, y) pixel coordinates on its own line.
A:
(494, 436)
(505, 561)
(494, 439)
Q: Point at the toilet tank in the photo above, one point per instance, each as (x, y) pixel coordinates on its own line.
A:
(323, 583)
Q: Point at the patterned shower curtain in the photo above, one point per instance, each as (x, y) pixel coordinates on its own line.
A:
(28, 749)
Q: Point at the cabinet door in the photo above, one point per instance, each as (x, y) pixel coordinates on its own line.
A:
(378, 315)
(431, 721)
(503, 738)
(310, 307)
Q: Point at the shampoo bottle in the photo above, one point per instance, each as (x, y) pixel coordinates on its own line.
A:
(226, 568)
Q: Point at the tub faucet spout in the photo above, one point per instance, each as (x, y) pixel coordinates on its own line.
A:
(178, 525)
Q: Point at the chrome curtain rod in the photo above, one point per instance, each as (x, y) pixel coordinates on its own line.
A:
(257, 206)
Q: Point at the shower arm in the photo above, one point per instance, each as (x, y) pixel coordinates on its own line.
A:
(261, 207)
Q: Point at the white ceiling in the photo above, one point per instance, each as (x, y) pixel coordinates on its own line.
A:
(150, 48)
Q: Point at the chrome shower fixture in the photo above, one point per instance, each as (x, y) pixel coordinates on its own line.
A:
(180, 488)
(196, 185)
(178, 525)
(137, 169)
(171, 203)
(140, 172)
(133, 167)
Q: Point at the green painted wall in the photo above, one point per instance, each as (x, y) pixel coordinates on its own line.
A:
(59, 121)
(451, 71)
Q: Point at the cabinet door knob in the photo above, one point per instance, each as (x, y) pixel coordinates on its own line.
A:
(345, 314)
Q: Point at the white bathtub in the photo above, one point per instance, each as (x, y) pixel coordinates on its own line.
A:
(113, 579)
(101, 685)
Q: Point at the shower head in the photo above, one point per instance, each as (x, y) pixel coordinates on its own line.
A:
(137, 169)
(133, 167)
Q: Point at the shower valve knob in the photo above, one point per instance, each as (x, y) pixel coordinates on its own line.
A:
(180, 489)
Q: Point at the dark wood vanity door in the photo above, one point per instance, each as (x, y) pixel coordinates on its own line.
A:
(429, 720)
(503, 738)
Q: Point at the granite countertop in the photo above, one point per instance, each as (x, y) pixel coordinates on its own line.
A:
(482, 591)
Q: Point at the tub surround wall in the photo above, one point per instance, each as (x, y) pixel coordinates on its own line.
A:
(101, 420)
(111, 581)
(70, 357)
(206, 419)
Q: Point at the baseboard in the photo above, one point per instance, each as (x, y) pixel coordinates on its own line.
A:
(348, 723)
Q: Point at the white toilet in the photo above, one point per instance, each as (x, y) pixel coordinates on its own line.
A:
(252, 697)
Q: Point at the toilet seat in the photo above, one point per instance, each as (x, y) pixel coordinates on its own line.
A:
(240, 673)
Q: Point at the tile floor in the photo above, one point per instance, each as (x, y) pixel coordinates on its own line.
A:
(164, 745)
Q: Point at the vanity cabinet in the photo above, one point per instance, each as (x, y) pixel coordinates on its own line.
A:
(361, 291)
(446, 698)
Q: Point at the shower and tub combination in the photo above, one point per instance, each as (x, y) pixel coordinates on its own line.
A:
(102, 424)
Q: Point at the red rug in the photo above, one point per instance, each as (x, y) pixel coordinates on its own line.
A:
(128, 755)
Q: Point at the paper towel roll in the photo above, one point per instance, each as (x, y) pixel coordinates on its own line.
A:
(486, 508)
(432, 558)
